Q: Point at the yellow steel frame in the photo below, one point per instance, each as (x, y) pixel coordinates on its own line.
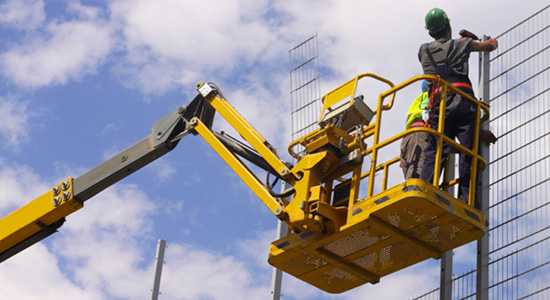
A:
(392, 222)
(386, 231)
(238, 167)
(347, 90)
(37, 215)
(250, 134)
(439, 133)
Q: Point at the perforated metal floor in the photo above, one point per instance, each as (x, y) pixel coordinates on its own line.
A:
(399, 228)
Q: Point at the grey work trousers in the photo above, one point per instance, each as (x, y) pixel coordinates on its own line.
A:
(412, 154)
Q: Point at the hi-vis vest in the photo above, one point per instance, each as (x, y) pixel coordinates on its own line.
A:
(415, 111)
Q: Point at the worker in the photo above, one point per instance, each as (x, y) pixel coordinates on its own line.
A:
(448, 58)
(412, 145)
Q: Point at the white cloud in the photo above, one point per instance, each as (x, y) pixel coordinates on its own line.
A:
(176, 41)
(22, 15)
(191, 273)
(256, 249)
(123, 217)
(264, 109)
(15, 125)
(95, 254)
(100, 253)
(34, 274)
(66, 51)
(19, 184)
(164, 169)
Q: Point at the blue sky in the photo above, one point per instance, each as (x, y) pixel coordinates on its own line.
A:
(82, 80)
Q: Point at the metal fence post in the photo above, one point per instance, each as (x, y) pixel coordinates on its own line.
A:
(482, 280)
(159, 261)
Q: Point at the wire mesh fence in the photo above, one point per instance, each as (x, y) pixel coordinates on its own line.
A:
(305, 87)
(519, 232)
(519, 207)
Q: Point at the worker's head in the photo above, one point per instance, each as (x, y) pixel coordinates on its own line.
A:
(437, 23)
(424, 86)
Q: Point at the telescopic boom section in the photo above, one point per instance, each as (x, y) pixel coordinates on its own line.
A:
(44, 215)
(338, 240)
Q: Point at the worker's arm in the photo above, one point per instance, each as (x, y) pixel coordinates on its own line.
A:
(486, 46)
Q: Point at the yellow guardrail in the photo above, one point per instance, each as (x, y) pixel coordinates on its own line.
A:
(373, 130)
(441, 137)
(347, 90)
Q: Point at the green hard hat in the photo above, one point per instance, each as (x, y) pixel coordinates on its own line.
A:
(436, 19)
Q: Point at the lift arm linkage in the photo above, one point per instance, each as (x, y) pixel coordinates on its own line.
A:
(44, 215)
(337, 240)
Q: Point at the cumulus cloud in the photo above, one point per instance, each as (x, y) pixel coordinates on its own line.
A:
(96, 253)
(15, 117)
(35, 274)
(192, 273)
(22, 15)
(159, 46)
(101, 253)
(164, 169)
(19, 184)
(177, 41)
(66, 51)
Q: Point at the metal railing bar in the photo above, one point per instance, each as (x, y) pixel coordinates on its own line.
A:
(519, 193)
(519, 84)
(519, 240)
(520, 104)
(520, 148)
(520, 63)
(519, 170)
(534, 293)
(522, 22)
(516, 45)
(518, 216)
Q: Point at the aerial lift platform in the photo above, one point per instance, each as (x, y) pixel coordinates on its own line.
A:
(338, 238)
(381, 233)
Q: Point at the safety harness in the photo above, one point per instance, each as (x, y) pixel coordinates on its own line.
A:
(442, 72)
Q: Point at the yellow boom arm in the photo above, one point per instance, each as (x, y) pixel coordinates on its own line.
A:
(337, 240)
(44, 215)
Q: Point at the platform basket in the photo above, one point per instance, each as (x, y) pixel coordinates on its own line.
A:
(406, 224)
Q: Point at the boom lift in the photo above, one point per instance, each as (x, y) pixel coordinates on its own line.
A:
(336, 240)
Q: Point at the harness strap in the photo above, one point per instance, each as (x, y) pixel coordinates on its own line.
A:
(431, 58)
(455, 84)
(418, 124)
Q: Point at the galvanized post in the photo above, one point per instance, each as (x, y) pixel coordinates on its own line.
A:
(159, 261)
(482, 280)
(446, 282)
(277, 277)
(446, 277)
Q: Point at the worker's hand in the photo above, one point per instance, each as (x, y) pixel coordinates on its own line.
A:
(485, 46)
(495, 41)
(488, 137)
